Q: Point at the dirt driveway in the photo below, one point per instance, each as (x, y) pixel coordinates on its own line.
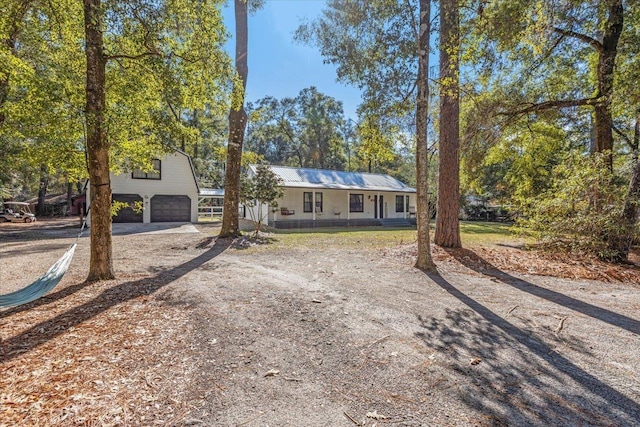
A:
(217, 333)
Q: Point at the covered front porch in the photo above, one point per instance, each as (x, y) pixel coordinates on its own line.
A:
(341, 207)
(342, 223)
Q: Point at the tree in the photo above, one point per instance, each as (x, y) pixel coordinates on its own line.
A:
(376, 143)
(567, 68)
(447, 232)
(237, 126)
(40, 109)
(374, 45)
(423, 260)
(382, 48)
(561, 35)
(101, 262)
(260, 191)
(142, 39)
(305, 131)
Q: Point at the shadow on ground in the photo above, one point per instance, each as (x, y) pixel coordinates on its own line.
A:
(44, 331)
(515, 377)
(473, 261)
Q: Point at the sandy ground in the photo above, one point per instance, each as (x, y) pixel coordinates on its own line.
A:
(217, 333)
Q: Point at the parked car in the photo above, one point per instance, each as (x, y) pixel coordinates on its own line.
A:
(16, 212)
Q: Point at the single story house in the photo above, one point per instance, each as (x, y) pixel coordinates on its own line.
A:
(317, 197)
(168, 193)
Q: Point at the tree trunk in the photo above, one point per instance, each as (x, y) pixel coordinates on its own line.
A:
(42, 190)
(237, 126)
(101, 261)
(620, 244)
(448, 206)
(423, 261)
(606, 70)
(69, 197)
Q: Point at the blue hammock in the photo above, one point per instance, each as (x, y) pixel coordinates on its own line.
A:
(42, 285)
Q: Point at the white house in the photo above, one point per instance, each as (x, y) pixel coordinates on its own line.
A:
(317, 197)
(169, 193)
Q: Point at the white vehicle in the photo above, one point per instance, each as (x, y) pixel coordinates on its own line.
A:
(16, 212)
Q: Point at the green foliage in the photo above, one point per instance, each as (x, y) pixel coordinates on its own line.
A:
(580, 211)
(40, 101)
(168, 83)
(261, 190)
(376, 143)
(518, 166)
(374, 45)
(305, 131)
(117, 206)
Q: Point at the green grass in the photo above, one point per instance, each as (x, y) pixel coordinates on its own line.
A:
(471, 233)
(209, 219)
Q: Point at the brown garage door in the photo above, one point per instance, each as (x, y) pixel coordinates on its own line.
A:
(170, 209)
(128, 214)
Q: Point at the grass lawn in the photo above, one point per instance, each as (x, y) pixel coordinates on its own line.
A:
(472, 233)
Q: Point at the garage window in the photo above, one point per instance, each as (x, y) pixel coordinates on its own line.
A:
(153, 174)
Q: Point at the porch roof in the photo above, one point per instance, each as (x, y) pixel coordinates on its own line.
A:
(211, 192)
(337, 180)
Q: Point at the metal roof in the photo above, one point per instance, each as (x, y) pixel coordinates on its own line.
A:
(337, 180)
(211, 192)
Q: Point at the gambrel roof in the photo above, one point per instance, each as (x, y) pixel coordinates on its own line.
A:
(337, 180)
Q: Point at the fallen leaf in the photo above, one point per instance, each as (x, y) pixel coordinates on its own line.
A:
(272, 373)
(376, 416)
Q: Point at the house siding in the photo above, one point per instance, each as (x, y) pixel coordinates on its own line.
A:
(336, 205)
(176, 179)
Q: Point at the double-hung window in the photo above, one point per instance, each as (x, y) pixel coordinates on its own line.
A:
(307, 201)
(356, 202)
(152, 174)
(399, 203)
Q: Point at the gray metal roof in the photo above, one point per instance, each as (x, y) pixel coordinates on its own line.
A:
(338, 180)
(211, 192)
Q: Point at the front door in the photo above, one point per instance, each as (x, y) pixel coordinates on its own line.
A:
(381, 206)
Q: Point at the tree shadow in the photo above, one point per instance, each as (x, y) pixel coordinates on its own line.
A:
(475, 262)
(49, 329)
(515, 378)
(24, 251)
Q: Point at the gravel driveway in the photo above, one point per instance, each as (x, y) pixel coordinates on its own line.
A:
(323, 335)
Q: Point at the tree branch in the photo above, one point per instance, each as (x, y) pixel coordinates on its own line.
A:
(623, 136)
(549, 105)
(582, 37)
(132, 57)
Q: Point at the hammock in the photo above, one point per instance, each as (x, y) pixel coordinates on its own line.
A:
(48, 280)
(42, 285)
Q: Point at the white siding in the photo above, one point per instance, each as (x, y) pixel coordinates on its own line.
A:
(335, 204)
(176, 178)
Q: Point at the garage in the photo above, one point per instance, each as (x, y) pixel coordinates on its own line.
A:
(170, 209)
(128, 214)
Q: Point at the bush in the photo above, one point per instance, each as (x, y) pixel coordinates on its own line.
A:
(580, 212)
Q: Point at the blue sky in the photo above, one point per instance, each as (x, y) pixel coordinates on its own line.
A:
(281, 67)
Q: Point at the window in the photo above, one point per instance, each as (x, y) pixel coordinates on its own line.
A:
(356, 202)
(399, 203)
(318, 202)
(153, 174)
(307, 202)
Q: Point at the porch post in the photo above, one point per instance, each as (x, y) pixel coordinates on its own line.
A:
(349, 205)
